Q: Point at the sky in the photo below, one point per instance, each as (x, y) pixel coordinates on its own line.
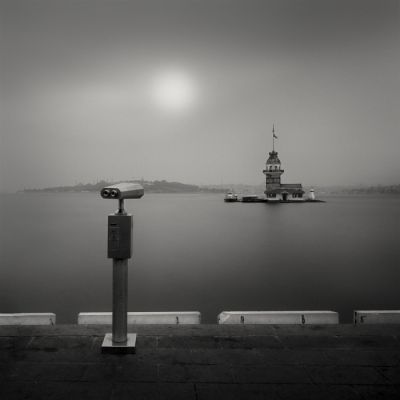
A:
(188, 91)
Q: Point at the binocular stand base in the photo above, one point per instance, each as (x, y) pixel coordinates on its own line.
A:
(110, 347)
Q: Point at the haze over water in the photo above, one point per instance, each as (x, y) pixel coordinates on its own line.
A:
(194, 252)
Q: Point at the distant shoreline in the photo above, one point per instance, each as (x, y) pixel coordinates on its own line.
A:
(149, 187)
(164, 186)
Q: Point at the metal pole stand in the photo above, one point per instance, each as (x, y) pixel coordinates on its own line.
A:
(120, 250)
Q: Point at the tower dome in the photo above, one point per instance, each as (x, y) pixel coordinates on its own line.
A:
(273, 158)
(273, 163)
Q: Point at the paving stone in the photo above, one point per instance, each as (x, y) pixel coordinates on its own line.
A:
(249, 342)
(293, 357)
(377, 357)
(190, 342)
(236, 391)
(195, 373)
(146, 342)
(19, 390)
(345, 375)
(55, 343)
(15, 349)
(317, 392)
(271, 374)
(7, 356)
(337, 341)
(22, 371)
(338, 330)
(6, 342)
(136, 391)
(130, 361)
(177, 391)
(54, 391)
(309, 342)
(150, 391)
(259, 392)
(219, 357)
(309, 330)
(377, 392)
(173, 356)
(229, 356)
(136, 372)
(391, 373)
(153, 356)
(256, 329)
(99, 373)
(218, 391)
(14, 343)
(74, 390)
(173, 373)
(59, 355)
(204, 356)
(4, 369)
(209, 373)
(367, 341)
(227, 342)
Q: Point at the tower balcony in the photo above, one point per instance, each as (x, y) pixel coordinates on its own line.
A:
(272, 171)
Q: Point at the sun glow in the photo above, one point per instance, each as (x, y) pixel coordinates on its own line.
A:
(174, 91)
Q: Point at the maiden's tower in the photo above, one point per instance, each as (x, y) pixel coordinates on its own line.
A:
(274, 189)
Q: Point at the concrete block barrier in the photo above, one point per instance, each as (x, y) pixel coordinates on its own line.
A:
(28, 319)
(278, 317)
(170, 318)
(376, 317)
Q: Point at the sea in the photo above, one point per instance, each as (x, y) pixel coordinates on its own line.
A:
(193, 252)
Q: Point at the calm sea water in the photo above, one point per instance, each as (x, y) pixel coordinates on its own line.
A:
(194, 252)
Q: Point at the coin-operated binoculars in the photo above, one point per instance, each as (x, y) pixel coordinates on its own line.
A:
(120, 250)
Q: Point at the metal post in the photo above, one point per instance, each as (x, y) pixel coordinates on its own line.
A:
(121, 209)
(120, 293)
(119, 341)
(120, 301)
(119, 248)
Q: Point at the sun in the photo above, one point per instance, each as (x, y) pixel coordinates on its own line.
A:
(174, 91)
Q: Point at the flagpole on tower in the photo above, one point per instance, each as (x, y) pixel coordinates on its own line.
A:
(273, 137)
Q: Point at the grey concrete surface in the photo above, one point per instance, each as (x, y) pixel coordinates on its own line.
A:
(196, 362)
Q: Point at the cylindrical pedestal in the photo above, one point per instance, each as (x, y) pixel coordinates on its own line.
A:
(120, 301)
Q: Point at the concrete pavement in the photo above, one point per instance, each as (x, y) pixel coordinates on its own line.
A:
(196, 362)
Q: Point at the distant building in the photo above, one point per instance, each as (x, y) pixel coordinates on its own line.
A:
(274, 189)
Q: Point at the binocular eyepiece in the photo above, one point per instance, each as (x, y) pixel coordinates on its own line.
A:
(106, 193)
(122, 191)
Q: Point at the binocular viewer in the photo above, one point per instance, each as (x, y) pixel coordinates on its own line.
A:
(122, 191)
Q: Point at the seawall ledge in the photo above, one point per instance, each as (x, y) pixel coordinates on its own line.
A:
(28, 319)
(278, 317)
(376, 317)
(156, 317)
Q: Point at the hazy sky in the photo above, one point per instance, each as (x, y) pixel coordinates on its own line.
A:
(188, 90)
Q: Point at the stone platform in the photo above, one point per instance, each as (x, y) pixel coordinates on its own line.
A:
(202, 362)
